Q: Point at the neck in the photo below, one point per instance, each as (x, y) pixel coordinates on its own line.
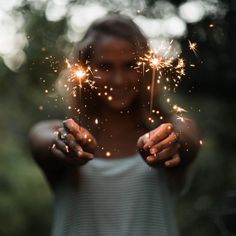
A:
(117, 133)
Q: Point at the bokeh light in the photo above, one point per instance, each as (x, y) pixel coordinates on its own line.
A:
(163, 21)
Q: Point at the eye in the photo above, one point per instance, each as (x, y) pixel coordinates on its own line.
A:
(131, 65)
(105, 66)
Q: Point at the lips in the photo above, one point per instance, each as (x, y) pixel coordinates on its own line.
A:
(122, 92)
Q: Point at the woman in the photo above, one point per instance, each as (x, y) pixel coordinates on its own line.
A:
(101, 185)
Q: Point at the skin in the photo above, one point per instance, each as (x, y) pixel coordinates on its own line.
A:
(58, 146)
(113, 66)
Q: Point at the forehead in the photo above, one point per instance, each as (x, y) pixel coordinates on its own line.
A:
(112, 48)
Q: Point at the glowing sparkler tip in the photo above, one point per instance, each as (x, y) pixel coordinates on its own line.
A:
(80, 73)
(155, 61)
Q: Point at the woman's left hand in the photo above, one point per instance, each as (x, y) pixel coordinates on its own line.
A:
(160, 146)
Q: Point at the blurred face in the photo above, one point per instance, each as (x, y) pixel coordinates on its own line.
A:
(113, 66)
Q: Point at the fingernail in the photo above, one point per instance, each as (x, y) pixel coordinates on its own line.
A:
(167, 164)
(64, 121)
(149, 159)
(145, 147)
(153, 151)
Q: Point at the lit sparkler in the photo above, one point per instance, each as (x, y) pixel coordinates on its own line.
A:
(79, 75)
(162, 67)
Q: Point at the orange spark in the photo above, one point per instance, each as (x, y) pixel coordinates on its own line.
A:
(192, 47)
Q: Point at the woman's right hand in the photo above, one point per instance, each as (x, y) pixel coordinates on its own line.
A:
(74, 144)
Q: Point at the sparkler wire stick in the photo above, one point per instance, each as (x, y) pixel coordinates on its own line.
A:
(152, 90)
(78, 75)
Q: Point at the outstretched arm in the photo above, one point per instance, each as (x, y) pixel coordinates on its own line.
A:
(57, 146)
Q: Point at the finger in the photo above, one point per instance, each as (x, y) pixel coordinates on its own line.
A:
(71, 141)
(142, 141)
(167, 152)
(61, 156)
(88, 141)
(169, 141)
(159, 134)
(144, 154)
(68, 144)
(62, 133)
(62, 146)
(75, 149)
(58, 153)
(164, 155)
(85, 155)
(71, 126)
(173, 161)
(81, 135)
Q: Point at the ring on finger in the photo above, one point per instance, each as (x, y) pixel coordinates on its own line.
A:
(62, 136)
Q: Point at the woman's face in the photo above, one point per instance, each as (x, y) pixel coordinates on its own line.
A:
(115, 76)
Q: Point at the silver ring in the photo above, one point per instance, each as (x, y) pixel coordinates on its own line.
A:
(63, 136)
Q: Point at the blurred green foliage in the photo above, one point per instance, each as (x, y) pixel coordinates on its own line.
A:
(208, 206)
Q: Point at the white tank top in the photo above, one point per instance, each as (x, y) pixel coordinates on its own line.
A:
(115, 197)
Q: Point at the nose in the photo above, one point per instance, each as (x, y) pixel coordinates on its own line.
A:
(118, 77)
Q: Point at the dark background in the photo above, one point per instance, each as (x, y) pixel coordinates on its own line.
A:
(208, 206)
